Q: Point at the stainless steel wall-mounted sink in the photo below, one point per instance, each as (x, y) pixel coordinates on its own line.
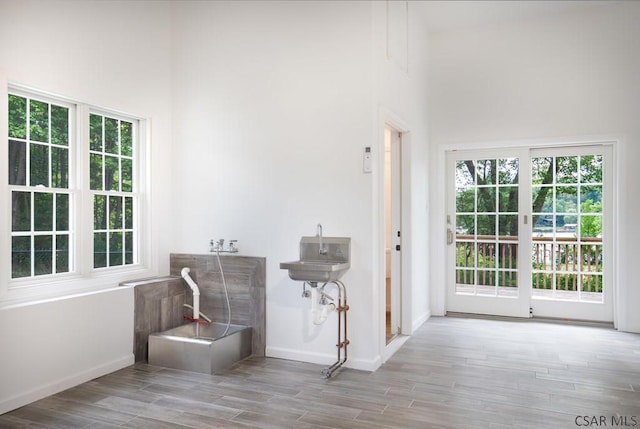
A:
(322, 259)
(315, 271)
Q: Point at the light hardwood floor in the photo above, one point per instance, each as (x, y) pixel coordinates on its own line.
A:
(452, 373)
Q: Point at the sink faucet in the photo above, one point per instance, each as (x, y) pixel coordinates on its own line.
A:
(321, 249)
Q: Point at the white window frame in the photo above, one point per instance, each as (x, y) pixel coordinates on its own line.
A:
(85, 278)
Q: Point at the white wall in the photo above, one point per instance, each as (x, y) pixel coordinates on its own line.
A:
(51, 346)
(112, 54)
(562, 76)
(273, 105)
(259, 114)
(401, 52)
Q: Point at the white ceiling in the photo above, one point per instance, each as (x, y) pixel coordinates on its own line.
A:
(442, 16)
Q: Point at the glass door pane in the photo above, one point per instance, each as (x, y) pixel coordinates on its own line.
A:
(567, 224)
(486, 219)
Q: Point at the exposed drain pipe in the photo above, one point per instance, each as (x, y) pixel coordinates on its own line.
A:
(319, 316)
(320, 310)
(196, 292)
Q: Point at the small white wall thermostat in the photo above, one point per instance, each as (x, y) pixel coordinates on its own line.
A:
(366, 163)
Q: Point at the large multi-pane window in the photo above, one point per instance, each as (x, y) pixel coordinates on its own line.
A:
(47, 193)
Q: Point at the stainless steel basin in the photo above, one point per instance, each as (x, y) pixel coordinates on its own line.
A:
(315, 271)
(322, 259)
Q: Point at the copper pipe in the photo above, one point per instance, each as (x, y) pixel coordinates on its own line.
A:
(342, 330)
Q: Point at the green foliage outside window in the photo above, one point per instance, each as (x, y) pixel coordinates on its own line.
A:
(566, 202)
(111, 169)
(39, 173)
(39, 179)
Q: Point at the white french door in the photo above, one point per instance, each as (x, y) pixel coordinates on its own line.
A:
(571, 233)
(529, 230)
(485, 231)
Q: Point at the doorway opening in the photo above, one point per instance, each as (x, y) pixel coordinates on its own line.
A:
(393, 228)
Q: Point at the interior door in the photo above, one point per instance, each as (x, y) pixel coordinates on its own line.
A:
(487, 267)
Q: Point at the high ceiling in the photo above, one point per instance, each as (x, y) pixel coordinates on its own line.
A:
(442, 16)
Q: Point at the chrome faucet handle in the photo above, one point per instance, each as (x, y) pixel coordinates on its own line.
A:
(232, 246)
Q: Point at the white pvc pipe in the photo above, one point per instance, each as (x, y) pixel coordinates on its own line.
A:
(319, 313)
(314, 306)
(326, 309)
(196, 292)
(204, 316)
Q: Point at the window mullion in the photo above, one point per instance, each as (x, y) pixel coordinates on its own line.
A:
(49, 148)
(103, 156)
(32, 232)
(27, 178)
(83, 197)
(54, 235)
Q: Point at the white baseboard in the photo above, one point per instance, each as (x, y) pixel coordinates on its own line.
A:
(420, 320)
(24, 398)
(322, 358)
(395, 345)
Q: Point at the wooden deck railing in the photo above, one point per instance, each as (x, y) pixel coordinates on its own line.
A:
(568, 256)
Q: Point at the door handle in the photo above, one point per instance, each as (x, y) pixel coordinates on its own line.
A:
(449, 236)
